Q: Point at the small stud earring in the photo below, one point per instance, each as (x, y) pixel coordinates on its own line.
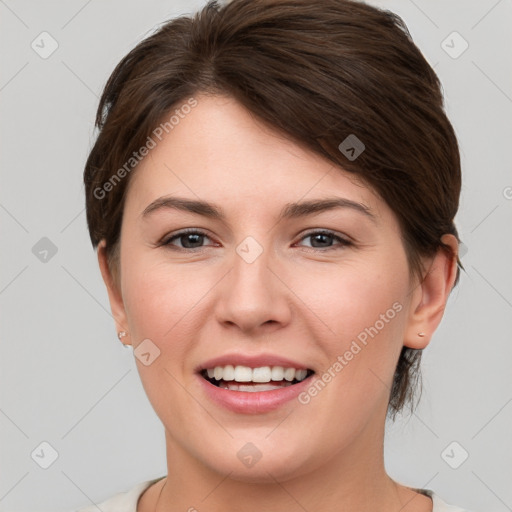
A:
(121, 334)
(421, 334)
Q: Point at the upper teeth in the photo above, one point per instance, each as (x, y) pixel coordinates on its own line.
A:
(261, 374)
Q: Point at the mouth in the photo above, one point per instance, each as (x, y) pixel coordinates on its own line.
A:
(252, 380)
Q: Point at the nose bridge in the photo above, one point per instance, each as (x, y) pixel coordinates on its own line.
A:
(250, 276)
(252, 295)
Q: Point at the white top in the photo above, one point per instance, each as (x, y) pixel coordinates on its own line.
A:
(127, 501)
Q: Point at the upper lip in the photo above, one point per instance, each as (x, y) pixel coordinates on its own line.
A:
(252, 361)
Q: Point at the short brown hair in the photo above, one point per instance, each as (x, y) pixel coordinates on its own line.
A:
(318, 72)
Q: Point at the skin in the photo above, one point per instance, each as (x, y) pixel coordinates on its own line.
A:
(304, 298)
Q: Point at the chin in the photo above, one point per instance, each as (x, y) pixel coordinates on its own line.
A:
(261, 465)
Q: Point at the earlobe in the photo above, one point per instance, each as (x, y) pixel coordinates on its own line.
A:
(429, 299)
(114, 293)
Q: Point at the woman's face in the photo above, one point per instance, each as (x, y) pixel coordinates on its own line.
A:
(260, 286)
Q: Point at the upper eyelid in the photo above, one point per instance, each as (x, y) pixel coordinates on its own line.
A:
(326, 231)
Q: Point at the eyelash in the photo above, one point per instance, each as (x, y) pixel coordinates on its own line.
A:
(344, 242)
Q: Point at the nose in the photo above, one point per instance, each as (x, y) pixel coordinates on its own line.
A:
(254, 296)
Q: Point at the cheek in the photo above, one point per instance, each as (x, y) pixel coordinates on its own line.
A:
(365, 311)
(353, 300)
(162, 300)
(162, 304)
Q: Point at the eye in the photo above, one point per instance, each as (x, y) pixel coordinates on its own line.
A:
(323, 240)
(189, 239)
(194, 239)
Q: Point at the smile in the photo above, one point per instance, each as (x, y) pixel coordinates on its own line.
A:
(251, 380)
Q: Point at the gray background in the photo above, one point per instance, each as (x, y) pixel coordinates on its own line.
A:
(66, 379)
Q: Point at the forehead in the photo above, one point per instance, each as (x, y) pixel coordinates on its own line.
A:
(221, 152)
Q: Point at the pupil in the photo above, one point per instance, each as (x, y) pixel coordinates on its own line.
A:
(321, 236)
(196, 237)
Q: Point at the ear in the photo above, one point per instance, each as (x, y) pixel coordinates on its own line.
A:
(431, 294)
(114, 294)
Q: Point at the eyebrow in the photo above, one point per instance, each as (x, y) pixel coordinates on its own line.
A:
(290, 210)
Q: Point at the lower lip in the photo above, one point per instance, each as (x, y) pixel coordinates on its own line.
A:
(257, 402)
